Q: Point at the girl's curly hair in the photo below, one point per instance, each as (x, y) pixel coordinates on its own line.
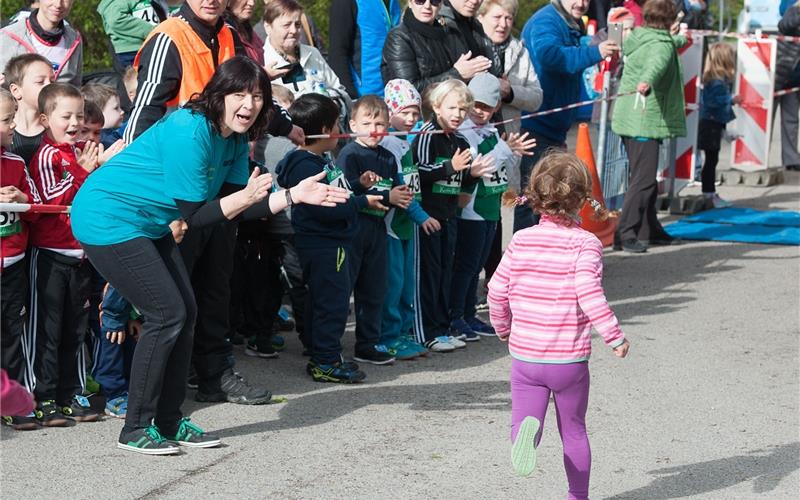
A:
(560, 186)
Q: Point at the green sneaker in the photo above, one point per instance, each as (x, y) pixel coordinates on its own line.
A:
(192, 436)
(147, 441)
(523, 451)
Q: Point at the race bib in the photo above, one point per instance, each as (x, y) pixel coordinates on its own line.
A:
(497, 182)
(336, 178)
(144, 11)
(10, 223)
(450, 186)
(382, 187)
(411, 179)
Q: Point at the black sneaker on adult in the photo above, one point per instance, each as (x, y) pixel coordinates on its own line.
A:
(80, 410)
(28, 423)
(48, 415)
(147, 441)
(232, 388)
(376, 355)
(261, 349)
(663, 241)
(191, 435)
(633, 246)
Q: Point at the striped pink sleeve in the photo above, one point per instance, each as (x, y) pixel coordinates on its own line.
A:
(499, 309)
(591, 298)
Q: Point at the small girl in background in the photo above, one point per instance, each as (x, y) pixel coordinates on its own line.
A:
(716, 110)
(544, 299)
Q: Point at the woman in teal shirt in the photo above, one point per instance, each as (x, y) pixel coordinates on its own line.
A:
(171, 176)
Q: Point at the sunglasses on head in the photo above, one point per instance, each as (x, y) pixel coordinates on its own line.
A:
(434, 3)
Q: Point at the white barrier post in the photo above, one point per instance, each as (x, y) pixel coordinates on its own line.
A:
(755, 83)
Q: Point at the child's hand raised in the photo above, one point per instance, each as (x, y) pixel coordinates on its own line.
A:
(461, 159)
(519, 144)
(104, 156)
(369, 179)
(400, 196)
(482, 165)
(374, 202)
(622, 350)
(11, 194)
(89, 157)
(431, 225)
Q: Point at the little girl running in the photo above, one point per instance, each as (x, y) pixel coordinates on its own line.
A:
(544, 299)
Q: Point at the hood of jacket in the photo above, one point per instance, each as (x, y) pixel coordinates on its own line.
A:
(284, 167)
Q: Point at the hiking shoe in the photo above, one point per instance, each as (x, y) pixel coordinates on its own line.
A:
(458, 343)
(401, 350)
(147, 441)
(523, 451)
(117, 407)
(339, 373)
(440, 344)
(91, 386)
(233, 388)
(278, 342)
(80, 410)
(480, 327)
(412, 342)
(27, 423)
(461, 330)
(48, 415)
(284, 321)
(189, 434)
(255, 349)
(376, 355)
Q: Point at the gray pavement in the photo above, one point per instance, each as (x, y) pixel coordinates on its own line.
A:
(705, 406)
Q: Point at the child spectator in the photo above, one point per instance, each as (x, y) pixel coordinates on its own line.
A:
(128, 22)
(47, 33)
(107, 99)
(480, 204)
(60, 275)
(119, 326)
(401, 303)
(370, 168)
(549, 334)
(130, 80)
(26, 76)
(442, 159)
(17, 187)
(14, 398)
(92, 123)
(716, 110)
(324, 240)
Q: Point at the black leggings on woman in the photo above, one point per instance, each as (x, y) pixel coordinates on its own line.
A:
(151, 275)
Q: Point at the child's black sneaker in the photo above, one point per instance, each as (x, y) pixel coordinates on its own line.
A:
(147, 441)
(80, 410)
(27, 423)
(376, 355)
(191, 435)
(48, 415)
(339, 373)
(261, 349)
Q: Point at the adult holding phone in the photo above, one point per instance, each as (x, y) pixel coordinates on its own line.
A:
(122, 215)
(306, 69)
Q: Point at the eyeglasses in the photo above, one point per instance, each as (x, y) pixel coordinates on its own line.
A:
(434, 3)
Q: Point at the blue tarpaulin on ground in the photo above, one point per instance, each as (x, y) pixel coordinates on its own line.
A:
(744, 225)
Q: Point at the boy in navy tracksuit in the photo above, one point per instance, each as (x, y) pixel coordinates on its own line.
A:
(114, 350)
(323, 238)
(370, 168)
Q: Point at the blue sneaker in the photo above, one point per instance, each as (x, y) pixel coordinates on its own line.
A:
(480, 327)
(117, 407)
(338, 373)
(460, 330)
(413, 344)
(400, 350)
(278, 342)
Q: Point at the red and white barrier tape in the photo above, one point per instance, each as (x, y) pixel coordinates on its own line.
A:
(790, 90)
(35, 208)
(745, 36)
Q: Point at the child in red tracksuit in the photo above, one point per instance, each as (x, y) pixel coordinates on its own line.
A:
(17, 187)
(60, 274)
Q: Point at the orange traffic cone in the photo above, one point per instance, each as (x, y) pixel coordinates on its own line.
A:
(604, 230)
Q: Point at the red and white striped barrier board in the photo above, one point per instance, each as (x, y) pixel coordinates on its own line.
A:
(755, 83)
(40, 209)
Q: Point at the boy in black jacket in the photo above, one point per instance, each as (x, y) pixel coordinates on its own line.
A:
(324, 239)
(372, 169)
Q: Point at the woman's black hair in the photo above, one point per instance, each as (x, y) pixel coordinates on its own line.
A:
(312, 112)
(237, 74)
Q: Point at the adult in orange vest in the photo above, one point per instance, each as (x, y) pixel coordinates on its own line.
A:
(177, 60)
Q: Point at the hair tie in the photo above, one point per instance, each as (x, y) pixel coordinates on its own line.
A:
(521, 200)
(596, 206)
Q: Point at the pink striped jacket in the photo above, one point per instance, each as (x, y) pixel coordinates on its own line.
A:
(547, 293)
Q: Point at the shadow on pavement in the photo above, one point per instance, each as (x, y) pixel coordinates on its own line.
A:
(766, 468)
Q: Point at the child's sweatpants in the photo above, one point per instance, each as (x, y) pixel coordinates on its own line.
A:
(327, 272)
(368, 276)
(398, 304)
(473, 244)
(13, 316)
(436, 269)
(111, 366)
(60, 290)
(531, 385)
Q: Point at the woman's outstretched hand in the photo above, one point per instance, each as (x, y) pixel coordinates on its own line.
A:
(313, 192)
(258, 187)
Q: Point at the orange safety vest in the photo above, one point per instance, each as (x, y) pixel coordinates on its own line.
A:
(196, 59)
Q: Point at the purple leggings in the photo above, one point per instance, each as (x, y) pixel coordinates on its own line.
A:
(531, 384)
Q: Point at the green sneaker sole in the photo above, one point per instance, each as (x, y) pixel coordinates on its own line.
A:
(523, 452)
(172, 450)
(320, 376)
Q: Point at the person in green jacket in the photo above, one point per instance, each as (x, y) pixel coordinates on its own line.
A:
(128, 22)
(653, 113)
